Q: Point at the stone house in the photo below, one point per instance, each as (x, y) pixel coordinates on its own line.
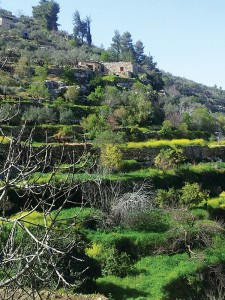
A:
(94, 66)
(7, 22)
(121, 68)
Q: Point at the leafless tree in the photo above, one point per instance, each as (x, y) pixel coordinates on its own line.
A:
(36, 255)
(213, 279)
(116, 199)
(189, 233)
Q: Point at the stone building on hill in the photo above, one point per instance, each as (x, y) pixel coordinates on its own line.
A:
(94, 66)
(121, 68)
(7, 22)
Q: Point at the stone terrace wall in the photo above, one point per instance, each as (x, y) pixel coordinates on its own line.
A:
(192, 154)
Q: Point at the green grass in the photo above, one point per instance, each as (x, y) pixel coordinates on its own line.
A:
(153, 274)
(110, 78)
(131, 241)
(54, 126)
(130, 165)
(74, 212)
(37, 218)
(204, 167)
(147, 173)
(31, 218)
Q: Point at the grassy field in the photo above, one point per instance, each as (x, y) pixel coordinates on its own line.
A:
(151, 276)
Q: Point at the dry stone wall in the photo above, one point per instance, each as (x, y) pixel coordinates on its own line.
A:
(192, 154)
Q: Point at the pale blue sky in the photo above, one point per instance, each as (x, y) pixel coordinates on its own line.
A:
(185, 37)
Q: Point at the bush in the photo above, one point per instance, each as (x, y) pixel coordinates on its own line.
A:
(38, 90)
(115, 263)
(192, 195)
(166, 130)
(94, 124)
(96, 81)
(66, 116)
(39, 115)
(66, 132)
(167, 198)
(72, 93)
(97, 96)
(10, 113)
(111, 158)
(200, 214)
(169, 158)
(153, 221)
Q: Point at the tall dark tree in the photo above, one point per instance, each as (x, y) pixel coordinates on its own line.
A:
(77, 26)
(88, 34)
(154, 75)
(116, 46)
(139, 51)
(127, 47)
(82, 29)
(53, 16)
(46, 13)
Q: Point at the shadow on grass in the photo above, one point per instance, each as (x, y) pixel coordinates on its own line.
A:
(181, 289)
(119, 293)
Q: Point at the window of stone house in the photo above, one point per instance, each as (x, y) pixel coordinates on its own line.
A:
(121, 69)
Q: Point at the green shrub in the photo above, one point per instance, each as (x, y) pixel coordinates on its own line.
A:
(66, 116)
(72, 93)
(192, 195)
(200, 214)
(169, 158)
(93, 124)
(64, 131)
(97, 96)
(167, 198)
(134, 243)
(39, 115)
(111, 158)
(115, 263)
(96, 81)
(153, 221)
(38, 90)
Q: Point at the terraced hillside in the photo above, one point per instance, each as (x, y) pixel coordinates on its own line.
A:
(111, 182)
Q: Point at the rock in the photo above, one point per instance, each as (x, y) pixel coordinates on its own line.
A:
(56, 88)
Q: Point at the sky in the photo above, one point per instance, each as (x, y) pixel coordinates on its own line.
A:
(185, 37)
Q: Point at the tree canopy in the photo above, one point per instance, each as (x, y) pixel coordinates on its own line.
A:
(82, 29)
(46, 13)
